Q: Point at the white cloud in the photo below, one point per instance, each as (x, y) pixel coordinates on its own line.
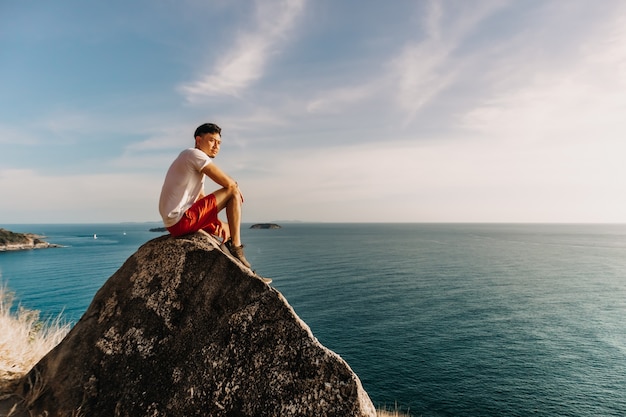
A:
(163, 138)
(539, 137)
(575, 98)
(336, 101)
(251, 51)
(481, 180)
(509, 115)
(32, 196)
(418, 70)
(426, 67)
(15, 136)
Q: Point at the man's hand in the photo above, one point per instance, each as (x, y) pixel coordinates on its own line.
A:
(222, 231)
(240, 193)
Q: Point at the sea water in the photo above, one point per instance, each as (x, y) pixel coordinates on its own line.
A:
(438, 319)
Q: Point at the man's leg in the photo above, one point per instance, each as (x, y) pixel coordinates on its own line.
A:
(231, 199)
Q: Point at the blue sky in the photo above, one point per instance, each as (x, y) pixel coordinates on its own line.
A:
(367, 111)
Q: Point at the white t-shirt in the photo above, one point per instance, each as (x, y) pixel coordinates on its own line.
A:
(182, 186)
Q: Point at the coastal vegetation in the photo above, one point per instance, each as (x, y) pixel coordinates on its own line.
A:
(24, 338)
(383, 412)
(8, 237)
(20, 241)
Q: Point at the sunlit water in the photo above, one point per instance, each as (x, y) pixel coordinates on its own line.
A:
(442, 320)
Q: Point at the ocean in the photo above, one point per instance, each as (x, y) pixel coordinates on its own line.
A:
(435, 319)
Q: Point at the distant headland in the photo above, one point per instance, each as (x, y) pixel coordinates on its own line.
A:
(265, 226)
(10, 241)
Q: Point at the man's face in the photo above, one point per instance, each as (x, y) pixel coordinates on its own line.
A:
(209, 143)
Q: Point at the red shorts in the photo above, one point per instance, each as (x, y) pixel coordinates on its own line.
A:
(202, 215)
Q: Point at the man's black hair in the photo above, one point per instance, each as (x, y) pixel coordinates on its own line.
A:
(207, 128)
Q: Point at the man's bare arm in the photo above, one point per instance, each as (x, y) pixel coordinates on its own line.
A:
(220, 177)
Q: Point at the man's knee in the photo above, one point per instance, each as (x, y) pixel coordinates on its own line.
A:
(233, 192)
(222, 197)
(227, 194)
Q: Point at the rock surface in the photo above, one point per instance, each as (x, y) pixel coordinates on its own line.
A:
(182, 330)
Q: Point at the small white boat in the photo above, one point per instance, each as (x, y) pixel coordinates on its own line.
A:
(95, 236)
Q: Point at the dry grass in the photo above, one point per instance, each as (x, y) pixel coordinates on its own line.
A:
(24, 337)
(384, 412)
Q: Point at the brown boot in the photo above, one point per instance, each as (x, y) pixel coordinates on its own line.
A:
(237, 252)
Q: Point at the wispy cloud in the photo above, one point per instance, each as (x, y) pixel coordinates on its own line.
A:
(162, 138)
(419, 69)
(336, 100)
(558, 93)
(424, 68)
(538, 137)
(436, 110)
(250, 52)
(15, 136)
(105, 196)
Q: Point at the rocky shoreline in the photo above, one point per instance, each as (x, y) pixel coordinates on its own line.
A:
(11, 241)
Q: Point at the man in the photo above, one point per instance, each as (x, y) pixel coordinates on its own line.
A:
(183, 205)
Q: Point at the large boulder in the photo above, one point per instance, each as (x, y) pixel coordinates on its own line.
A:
(181, 329)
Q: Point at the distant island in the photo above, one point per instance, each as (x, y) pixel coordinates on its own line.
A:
(254, 226)
(10, 241)
(265, 226)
